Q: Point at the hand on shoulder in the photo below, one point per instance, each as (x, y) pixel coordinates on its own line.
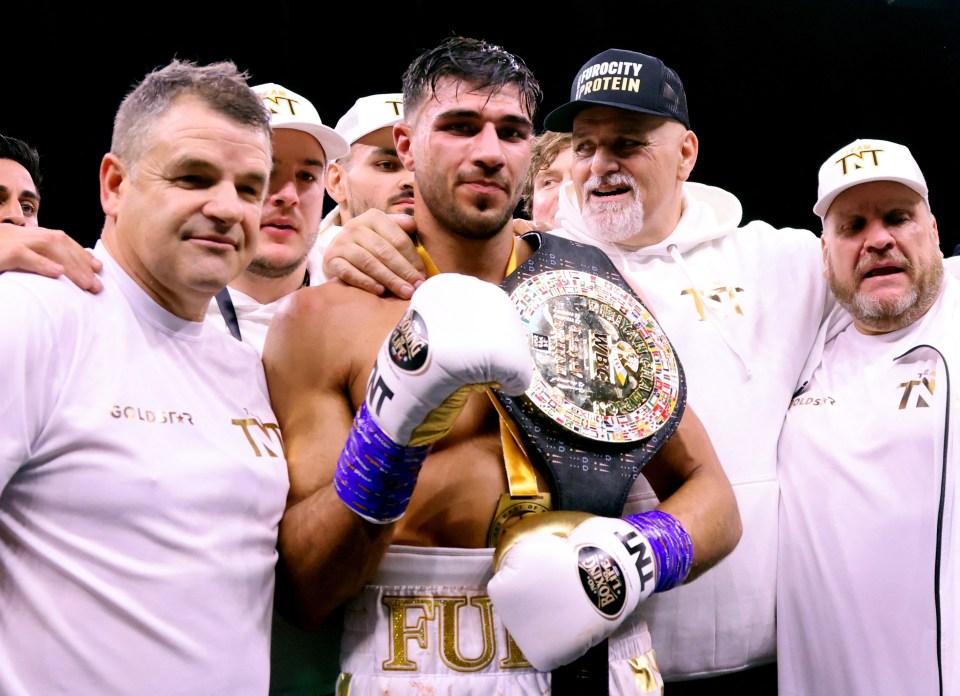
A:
(374, 252)
(50, 253)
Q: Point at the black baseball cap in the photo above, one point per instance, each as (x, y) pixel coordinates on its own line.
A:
(626, 80)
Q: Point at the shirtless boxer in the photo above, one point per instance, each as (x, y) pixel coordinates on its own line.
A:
(422, 470)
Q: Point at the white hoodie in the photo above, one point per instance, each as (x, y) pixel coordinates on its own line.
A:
(742, 307)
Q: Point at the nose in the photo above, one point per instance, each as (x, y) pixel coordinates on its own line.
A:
(284, 193)
(878, 236)
(603, 162)
(10, 211)
(224, 203)
(488, 151)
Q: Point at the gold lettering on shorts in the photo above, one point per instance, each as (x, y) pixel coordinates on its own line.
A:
(401, 631)
(450, 653)
(434, 624)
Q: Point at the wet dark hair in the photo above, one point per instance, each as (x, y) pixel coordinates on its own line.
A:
(23, 154)
(480, 64)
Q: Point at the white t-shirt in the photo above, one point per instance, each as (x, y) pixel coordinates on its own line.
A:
(142, 481)
(860, 465)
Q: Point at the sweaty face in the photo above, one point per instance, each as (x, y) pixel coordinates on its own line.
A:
(292, 211)
(185, 217)
(373, 177)
(470, 152)
(881, 255)
(19, 200)
(546, 187)
(628, 169)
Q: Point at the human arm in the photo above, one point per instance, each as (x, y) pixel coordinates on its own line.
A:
(326, 550)
(695, 526)
(375, 252)
(354, 445)
(49, 253)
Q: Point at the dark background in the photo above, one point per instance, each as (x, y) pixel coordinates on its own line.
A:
(774, 87)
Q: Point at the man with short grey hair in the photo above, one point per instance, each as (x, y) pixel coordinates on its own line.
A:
(142, 473)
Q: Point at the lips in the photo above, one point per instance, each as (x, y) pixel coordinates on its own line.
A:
(611, 192)
(278, 227)
(882, 271)
(490, 184)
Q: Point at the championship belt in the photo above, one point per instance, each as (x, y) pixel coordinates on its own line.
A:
(608, 389)
(607, 392)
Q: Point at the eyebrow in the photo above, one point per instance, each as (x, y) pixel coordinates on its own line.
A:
(198, 163)
(471, 113)
(25, 194)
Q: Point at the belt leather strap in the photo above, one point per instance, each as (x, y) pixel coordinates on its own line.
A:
(587, 475)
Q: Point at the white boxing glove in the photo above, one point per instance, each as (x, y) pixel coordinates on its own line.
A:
(460, 334)
(564, 581)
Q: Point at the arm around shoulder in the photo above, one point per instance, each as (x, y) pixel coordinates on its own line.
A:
(49, 253)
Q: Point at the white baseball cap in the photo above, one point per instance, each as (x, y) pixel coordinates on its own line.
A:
(867, 160)
(369, 114)
(289, 110)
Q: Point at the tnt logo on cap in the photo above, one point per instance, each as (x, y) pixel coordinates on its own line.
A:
(369, 114)
(867, 160)
(625, 80)
(289, 110)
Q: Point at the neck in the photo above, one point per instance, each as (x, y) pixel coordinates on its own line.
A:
(189, 305)
(486, 259)
(266, 290)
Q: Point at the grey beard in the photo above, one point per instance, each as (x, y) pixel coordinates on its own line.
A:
(613, 224)
(887, 315)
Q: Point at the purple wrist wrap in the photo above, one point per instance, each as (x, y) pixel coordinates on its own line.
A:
(375, 476)
(670, 544)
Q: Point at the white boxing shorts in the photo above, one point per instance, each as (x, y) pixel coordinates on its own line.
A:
(425, 625)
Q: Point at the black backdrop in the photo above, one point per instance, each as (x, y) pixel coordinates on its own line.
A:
(774, 86)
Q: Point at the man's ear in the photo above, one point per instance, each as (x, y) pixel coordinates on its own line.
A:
(333, 183)
(823, 253)
(112, 176)
(689, 148)
(403, 139)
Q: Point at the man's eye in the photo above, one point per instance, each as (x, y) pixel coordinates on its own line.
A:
(462, 128)
(193, 181)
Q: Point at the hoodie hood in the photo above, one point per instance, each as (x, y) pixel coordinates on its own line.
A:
(708, 213)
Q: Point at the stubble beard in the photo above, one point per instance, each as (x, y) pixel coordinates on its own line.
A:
(480, 221)
(265, 268)
(890, 314)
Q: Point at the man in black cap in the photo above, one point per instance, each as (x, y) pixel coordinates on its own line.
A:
(742, 330)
